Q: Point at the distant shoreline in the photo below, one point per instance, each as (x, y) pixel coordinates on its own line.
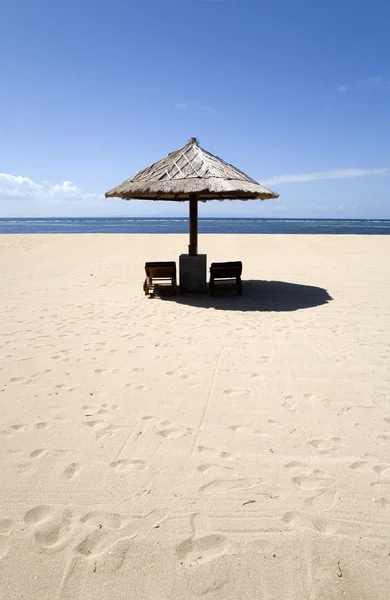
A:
(179, 225)
(186, 219)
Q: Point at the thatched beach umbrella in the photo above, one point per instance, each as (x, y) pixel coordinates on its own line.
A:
(193, 174)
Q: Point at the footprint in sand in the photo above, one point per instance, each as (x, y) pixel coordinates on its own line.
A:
(23, 427)
(322, 499)
(382, 501)
(214, 468)
(72, 470)
(214, 452)
(263, 359)
(99, 409)
(106, 431)
(169, 430)
(381, 468)
(362, 465)
(314, 398)
(326, 446)
(178, 374)
(317, 488)
(50, 527)
(311, 482)
(28, 468)
(101, 429)
(236, 392)
(126, 465)
(294, 464)
(290, 402)
(6, 526)
(94, 424)
(202, 550)
(245, 429)
(383, 485)
(172, 432)
(109, 535)
(295, 520)
(201, 546)
(18, 427)
(228, 485)
(135, 386)
(100, 519)
(41, 453)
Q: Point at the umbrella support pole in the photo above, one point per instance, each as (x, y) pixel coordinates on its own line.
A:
(193, 265)
(193, 247)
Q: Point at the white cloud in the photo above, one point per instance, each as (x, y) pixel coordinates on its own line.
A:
(23, 187)
(17, 186)
(209, 109)
(17, 179)
(379, 82)
(321, 175)
(67, 188)
(12, 192)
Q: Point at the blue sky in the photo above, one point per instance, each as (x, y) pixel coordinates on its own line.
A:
(296, 93)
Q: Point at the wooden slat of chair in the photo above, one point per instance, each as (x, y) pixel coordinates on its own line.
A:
(164, 273)
(225, 272)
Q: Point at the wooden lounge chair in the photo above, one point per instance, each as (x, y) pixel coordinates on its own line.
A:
(160, 274)
(223, 273)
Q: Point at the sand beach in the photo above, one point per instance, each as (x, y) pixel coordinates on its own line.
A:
(193, 447)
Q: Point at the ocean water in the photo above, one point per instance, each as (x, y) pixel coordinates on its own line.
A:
(171, 225)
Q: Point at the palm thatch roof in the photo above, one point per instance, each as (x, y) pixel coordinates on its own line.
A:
(191, 171)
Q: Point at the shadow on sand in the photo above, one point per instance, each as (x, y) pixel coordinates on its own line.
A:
(277, 296)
